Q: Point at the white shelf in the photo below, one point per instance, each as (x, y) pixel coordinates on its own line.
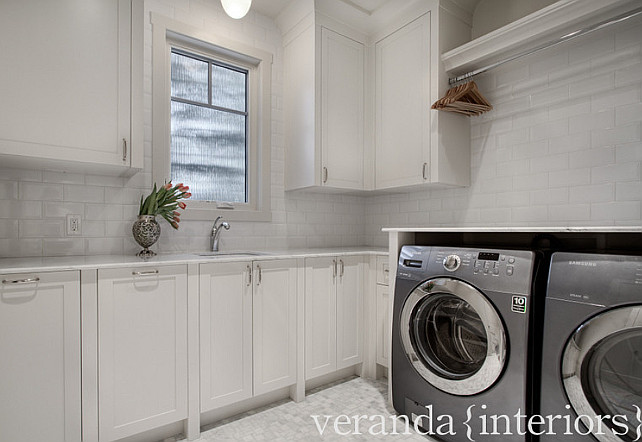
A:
(549, 23)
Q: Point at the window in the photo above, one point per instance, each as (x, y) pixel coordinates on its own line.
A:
(211, 121)
(208, 142)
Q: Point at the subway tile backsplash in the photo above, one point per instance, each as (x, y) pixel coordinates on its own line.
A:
(562, 147)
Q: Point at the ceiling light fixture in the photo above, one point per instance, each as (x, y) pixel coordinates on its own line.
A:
(236, 8)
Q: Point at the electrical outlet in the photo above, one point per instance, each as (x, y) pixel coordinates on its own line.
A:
(74, 225)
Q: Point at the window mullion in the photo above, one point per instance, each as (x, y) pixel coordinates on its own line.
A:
(209, 83)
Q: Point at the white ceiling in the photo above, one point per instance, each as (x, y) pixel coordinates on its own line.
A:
(272, 8)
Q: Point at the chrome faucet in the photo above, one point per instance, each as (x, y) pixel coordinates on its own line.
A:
(216, 233)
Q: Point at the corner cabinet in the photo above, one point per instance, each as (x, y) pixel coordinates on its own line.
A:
(40, 364)
(247, 329)
(324, 108)
(142, 349)
(414, 144)
(71, 85)
(333, 314)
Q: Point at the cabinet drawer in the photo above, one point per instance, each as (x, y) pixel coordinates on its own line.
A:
(383, 270)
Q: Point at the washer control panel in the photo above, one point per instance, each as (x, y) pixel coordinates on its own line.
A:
(483, 263)
(508, 271)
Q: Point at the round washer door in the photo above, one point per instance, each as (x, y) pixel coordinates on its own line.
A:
(602, 373)
(453, 336)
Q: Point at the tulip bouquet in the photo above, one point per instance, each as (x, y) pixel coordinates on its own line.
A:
(165, 202)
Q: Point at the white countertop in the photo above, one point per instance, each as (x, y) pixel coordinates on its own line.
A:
(48, 264)
(525, 229)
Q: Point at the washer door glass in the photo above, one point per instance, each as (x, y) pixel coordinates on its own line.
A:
(602, 366)
(449, 336)
(453, 336)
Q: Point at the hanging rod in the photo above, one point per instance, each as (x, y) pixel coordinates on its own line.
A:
(565, 38)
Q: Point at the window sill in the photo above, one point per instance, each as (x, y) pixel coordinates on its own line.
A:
(200, 214)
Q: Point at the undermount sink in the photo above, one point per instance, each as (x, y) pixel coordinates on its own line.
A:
(231, 254)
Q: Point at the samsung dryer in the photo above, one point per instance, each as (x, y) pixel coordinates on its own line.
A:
(591, 386)
(460, 341)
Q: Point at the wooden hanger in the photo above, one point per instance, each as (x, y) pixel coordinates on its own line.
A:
(464, 99)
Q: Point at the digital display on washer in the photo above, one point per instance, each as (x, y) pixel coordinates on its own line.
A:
(488, 256)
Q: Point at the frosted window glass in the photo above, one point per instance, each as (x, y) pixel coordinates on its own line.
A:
(189, 78)
(228, 88)
(208, 152)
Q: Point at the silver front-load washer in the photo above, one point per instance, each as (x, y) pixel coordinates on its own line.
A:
(591, 387)
(460, 341)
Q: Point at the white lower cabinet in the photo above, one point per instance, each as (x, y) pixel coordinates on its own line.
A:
(383, 320)
(142, 349)
(333, 313)
(383, 310)
(225, 333)
(40, 362)
(247, 329)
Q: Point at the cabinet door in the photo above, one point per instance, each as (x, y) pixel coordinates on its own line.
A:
(383, 324)
(65, 79)
(142, 349)
(349, 311)
(402, 102)
(226, 333)
(320, 316)
(40, 363)
(275, 285)
(342, 111)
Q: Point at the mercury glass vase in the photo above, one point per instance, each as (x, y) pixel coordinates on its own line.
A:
(146, 232)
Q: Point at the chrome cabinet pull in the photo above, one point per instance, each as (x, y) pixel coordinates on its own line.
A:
(334, 268)
(21, 281)
(249, 275)
(325, 175)
(423, 171)
(146, 273)
(124, 149)
(342, 268)
(259, 277)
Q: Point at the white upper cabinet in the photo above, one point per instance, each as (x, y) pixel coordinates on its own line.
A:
(358, 91)
(402, 122)
(415, 145)
(342, 111)
(324, 103)
(71, 84)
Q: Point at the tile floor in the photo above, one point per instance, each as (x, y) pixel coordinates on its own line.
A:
(289, 421)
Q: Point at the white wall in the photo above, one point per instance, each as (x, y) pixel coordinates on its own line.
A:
(33, 204)
(562, 146)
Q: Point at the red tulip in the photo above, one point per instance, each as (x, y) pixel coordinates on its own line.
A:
(187, 195)
(182, 205)
(168, 185)
(174, 224)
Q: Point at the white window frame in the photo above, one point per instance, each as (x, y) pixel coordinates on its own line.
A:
(168, 34)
